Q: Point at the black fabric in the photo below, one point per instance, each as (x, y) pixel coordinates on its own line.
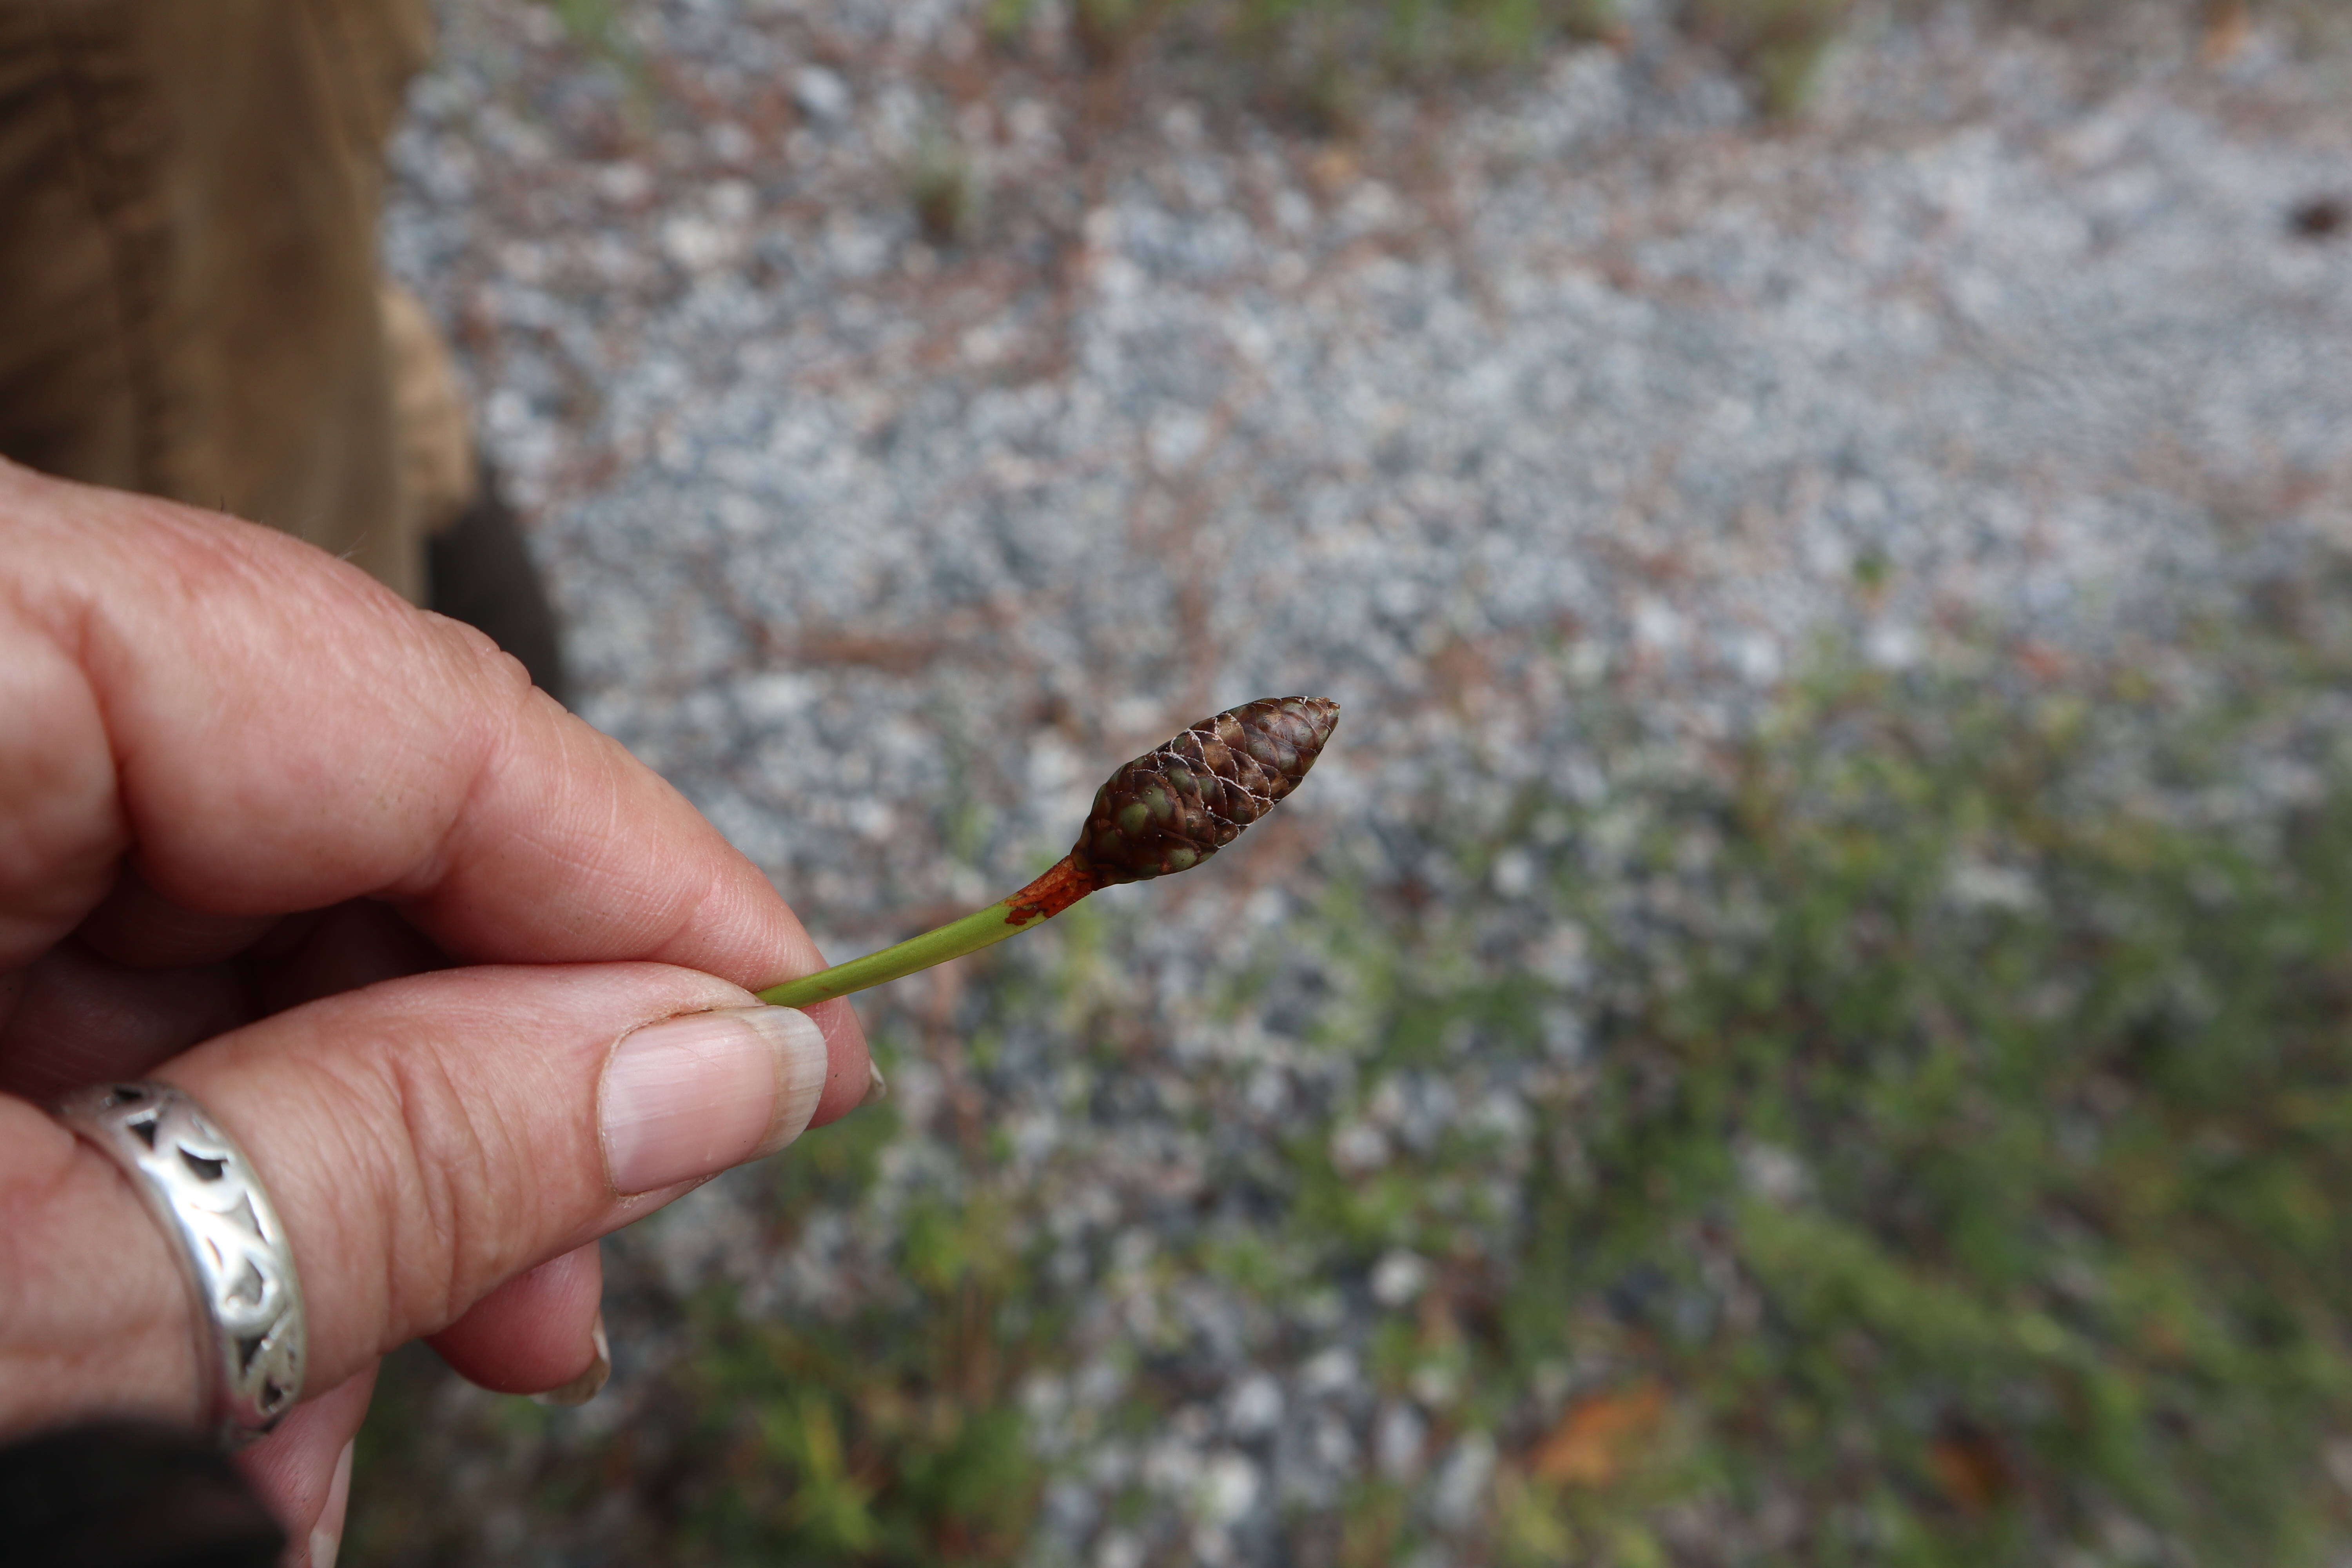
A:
(478, 571)
(125, 1494)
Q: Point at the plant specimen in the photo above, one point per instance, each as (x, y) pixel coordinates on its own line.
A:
(1167, 811)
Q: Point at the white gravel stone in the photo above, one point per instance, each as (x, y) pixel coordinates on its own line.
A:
(1399, 1278)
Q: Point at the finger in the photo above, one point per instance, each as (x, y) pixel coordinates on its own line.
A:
(302, 1471)
(94, 1315)
(424, 1141)
(80, 1018)
(542, 1330)
(61, 828)
(353, 944)
(137, 926)
(273, 730)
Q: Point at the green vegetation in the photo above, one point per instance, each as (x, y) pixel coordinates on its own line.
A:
(1314, 59)
(943, 187)
(1317, 60)
(595, 29)
(889, 1434)
(1986, 1162)
(1778, 43)
(1923, 1138)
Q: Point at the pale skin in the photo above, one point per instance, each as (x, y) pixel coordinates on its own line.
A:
(330, 864)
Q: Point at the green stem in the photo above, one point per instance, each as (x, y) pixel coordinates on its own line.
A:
(974, 931)
(1041, 900)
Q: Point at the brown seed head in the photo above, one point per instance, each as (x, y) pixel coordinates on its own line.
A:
(1176, 806)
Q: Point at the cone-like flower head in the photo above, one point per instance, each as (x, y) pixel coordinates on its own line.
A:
(1174, 806)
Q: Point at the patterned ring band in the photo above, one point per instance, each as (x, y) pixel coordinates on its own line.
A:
(250, 1331)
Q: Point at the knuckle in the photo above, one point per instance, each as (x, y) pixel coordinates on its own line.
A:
(457, 1203)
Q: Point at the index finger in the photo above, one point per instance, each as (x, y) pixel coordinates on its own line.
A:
(269, 730)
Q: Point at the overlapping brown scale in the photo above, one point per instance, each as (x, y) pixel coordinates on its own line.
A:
(1176, 806)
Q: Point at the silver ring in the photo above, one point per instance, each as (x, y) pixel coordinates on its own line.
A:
(251, 1334)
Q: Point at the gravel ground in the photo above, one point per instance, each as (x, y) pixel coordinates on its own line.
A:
(1575, 383)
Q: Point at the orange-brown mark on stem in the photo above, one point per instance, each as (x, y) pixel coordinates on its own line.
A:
(1050, 894)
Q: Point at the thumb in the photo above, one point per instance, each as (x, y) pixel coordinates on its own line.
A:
(424, 1141)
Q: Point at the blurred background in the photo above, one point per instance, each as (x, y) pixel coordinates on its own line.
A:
(1803, 1018)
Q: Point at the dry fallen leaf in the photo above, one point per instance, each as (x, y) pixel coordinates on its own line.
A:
(1601, 1436)
(1333, 169)
(2228, 23)
(1970, 1468)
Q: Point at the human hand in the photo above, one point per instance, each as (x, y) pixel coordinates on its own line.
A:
(423, 942)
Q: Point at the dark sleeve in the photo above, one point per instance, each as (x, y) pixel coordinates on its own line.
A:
(126, 1494)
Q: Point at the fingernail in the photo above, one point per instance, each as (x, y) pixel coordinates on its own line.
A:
(591, 1383)
(877, 1088)
(327, 1535)
(688, 1097)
